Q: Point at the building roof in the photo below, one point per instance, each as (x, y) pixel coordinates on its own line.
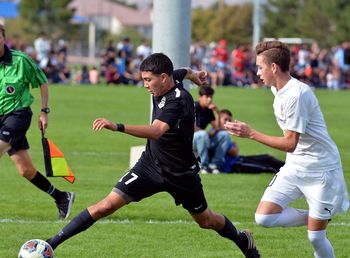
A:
(126, 16)
(8, 10)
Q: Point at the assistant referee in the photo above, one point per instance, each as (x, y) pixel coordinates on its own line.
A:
(17, 73)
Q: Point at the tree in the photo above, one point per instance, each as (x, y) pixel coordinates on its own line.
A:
(50, 16)
(280, 18)
(233, 23)
(327, 22)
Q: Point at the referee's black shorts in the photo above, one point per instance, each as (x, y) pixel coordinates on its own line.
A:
(13, 129)
(146, 178)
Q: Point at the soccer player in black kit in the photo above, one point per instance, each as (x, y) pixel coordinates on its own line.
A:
(168, 163)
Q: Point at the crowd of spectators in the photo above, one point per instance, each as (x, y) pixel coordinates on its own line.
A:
(320, 68)
(226, 66)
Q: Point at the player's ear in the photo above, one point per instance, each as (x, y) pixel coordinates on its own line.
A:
(274, 67)
(164, 77)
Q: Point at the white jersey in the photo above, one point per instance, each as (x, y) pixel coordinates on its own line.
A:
(297, 109)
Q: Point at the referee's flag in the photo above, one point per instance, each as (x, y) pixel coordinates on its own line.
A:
(55, 163)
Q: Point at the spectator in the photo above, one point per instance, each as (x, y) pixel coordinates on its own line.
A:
(203, 140)
(234, 162)
(85, 75)
(113, 76)
(342, 64)
(94, 75)
(42, 47)
(144, 49)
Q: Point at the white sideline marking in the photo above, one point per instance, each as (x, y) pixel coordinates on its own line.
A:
(92, 153)
(126, 221)
(104, 221)
(98, 153)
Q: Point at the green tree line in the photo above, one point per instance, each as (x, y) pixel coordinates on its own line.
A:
(327, 22)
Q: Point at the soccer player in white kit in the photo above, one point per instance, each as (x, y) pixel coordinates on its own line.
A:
(313, 167)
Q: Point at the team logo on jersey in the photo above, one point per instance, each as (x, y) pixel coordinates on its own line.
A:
(7, 133)
(177, 93)
(162, 102)
(10, 89)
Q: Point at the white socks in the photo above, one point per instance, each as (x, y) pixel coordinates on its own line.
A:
(289, 217)
(320, 243)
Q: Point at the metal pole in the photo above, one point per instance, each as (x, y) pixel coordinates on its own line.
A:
(171, 33)
(258, 19)
(92, 40)
(172, 30)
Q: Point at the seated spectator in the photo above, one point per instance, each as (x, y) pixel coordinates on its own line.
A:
(113, 76)
(233, 162)
(85, 77)
(94, 75)
(203, 140)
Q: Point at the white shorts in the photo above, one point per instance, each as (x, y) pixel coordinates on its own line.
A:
(325, 192)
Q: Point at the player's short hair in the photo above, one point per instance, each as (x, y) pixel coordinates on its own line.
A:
(157, 63)
(275, 52)
(226, 111)
(2, 30)
(206, 90)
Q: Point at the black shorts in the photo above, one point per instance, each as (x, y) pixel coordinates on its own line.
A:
(147, 178)
(13, 129)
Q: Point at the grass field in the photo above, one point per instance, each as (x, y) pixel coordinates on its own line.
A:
(155, 227)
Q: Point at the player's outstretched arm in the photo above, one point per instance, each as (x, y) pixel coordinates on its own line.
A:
(154, 131)
(286, 143)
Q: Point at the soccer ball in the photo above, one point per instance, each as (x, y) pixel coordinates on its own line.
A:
(35, 248)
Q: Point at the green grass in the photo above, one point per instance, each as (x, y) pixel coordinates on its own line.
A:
(155, 227)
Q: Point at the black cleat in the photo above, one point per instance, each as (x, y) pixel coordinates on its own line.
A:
(64, 206)
(252, 251)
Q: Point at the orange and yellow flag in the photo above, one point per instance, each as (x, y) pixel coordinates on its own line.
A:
(55, 163)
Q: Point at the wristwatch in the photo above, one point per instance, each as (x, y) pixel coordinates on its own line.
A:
(45, 110)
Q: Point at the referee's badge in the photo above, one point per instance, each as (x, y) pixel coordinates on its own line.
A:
(10, 89)
(162, 102)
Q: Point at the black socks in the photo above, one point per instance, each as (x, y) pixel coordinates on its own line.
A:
(229, 231)
(78, 224)
(44, 184)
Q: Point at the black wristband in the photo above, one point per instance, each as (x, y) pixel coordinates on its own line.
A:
(120, 127)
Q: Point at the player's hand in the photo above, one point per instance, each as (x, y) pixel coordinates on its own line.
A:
(201, 78)
(43, 121)
(213, 107)
(101, 123)
(238, 128)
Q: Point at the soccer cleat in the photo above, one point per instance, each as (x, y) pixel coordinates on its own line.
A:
(64, 206)
(204, 171)
(252, 251)
(214, 169)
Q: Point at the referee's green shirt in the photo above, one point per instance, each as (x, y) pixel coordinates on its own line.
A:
(17, 72)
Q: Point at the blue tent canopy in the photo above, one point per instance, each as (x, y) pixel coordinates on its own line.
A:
(8, 10)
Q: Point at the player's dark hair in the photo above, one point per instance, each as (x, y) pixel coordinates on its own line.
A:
(226, 111)
(2, 30)
(206, 90)
(157, 63)
(275, 52)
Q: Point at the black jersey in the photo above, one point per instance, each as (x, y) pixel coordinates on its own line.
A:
(204, 116)
(173, 150)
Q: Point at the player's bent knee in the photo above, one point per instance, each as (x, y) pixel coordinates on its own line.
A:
(266, 220)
